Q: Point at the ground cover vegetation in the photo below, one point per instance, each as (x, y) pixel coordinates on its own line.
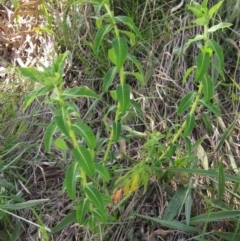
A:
(119, 120)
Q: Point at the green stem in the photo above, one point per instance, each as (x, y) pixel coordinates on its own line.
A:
(71, 132)
(122, 81)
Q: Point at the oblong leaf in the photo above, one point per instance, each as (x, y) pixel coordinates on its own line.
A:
(100, 216)
(82, 209)
(99, 36)
(123, 96)
(120, 48)
(112, 56)
(108, 78)
(216, 47)
(138, 109)
(138, 76)
(84, 131)
(94, 196)
(221, 181)
(116, 131)
(202, 61)
(61, 144)
(214, 9)
(70, 179)
(215, 216)
(175, 205)
(190, 41)
(69, 219)
(216, 111)
(60, 117)
(48, 135)
(172, 224)
(131, 36)
(85, 160)
(208, 88)
(34, 94)
(225, 135)
(219, 26)
(186, 102)
(102, 171)
(58, 64)
(33, 74)
(27, 204)
(135, 61)
(129, 22)
(80, 92)
(190, 123)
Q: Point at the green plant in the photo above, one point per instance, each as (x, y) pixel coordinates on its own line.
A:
(67, 125)
(209, 70)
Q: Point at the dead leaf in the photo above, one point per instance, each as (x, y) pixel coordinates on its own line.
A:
(116, 197)
(161, 232)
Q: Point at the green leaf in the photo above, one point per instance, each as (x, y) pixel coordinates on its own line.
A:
(112, 56)
(58, 64)
(203, 21)
(60, 117)
(80, 92)
(129, 22)
(99, 215)
(108, 78)
(123, 96)
(134, 60)
(99, 22)
(53, 80)
(113, 94)
(186, 102)
(214, 9)
(206, 173)
(102, 171)
(94, 196)
(221, 181)
(219, 26)
(187, 73)
(82, 209)
(215, 46)
(23, 205)
(85, 160)
(188, 207)
(84, 131)
(120, 48)
(70, 179)
(69, 219)
(61, 144)
(175, 205)
(215, 216)
(228, 236)
(36, 93)
(48, 135)
(116, 131)
(190, 41)
(190, 123)
(99, 36)
(131, 36)
(196, 10)
(33, 74)
(211, 107)
(172, 224)
(203, 61)
(208, 88)
(225, 135)
(138, 109)
(138, 76)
